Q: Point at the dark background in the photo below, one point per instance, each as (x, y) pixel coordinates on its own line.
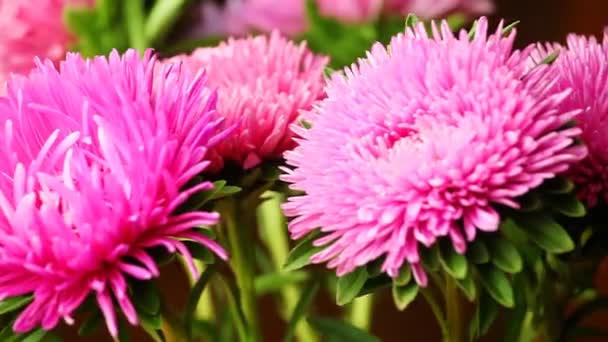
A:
(541, 20)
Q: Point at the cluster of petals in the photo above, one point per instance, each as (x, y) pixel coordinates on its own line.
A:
(290, 17)
(423, 140)
(95, 158)
(31, 29)
(582, 65)
(263, 83)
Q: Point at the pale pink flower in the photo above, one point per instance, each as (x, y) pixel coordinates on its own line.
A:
(31, 29)
(583, 66)
(263, 84)
(438, 8)
(290, 16)
(421, 141)
(94, 162)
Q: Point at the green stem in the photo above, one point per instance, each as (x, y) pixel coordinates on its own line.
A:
(454, 311)
(273, 230)
(234, 309)
(242, 259)
(134, 10)
(361, 312)
(163, 15)
(437, 311)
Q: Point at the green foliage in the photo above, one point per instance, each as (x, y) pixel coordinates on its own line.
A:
(334, 330)
(14, 303)
(300, 309)
(350, 285)
(300, 255)
(404, 295)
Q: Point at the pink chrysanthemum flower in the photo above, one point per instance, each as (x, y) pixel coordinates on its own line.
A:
(420, 141)
(439, 8)
(31, 29)
(583, 66)
(94, 162)
(263, 84)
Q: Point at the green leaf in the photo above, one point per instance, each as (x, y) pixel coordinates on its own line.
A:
(486, 313)
(350, 285)
(467, 285)
(375, 284)
(557, 185)
(411, 21)
(405, 275)
(14, 303)
(497, 285)
(404, 295)
(374, 268)
(300, 255)
(478, 252)
(278, 280)
(456, 21)
(151, 325)
(530, 202)
(507, 30)
(430, 258)
(90, 325)
(567, 205)
(146, 297)
(195, 295)
(337, 330)
(545, 232)
(454, 264)
(505, 256)
(200, 252)
(300, 310)
(34, 336)
(135, 12)
(161, 19)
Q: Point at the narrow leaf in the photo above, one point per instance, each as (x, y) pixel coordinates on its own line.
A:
(567, 205)
(467, 285)
(478, 252)
(405, 275)
(411, 21)
(505, 256)
(34, 336)
(276, 281)
(300, 310)
(338, 330)
(430, 258)
(350, 285)
(404, 295)
(195, 295)
(300, 255)
(454, 264)
(545, 232)
(497, 285)
(146, 297)
(14, 303)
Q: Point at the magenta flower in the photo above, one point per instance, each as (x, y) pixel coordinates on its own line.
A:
(94, 160)
(264, 83)
(582, 65)
(30, 29)
(420, 141)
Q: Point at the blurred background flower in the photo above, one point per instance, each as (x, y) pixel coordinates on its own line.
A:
(32, 29)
